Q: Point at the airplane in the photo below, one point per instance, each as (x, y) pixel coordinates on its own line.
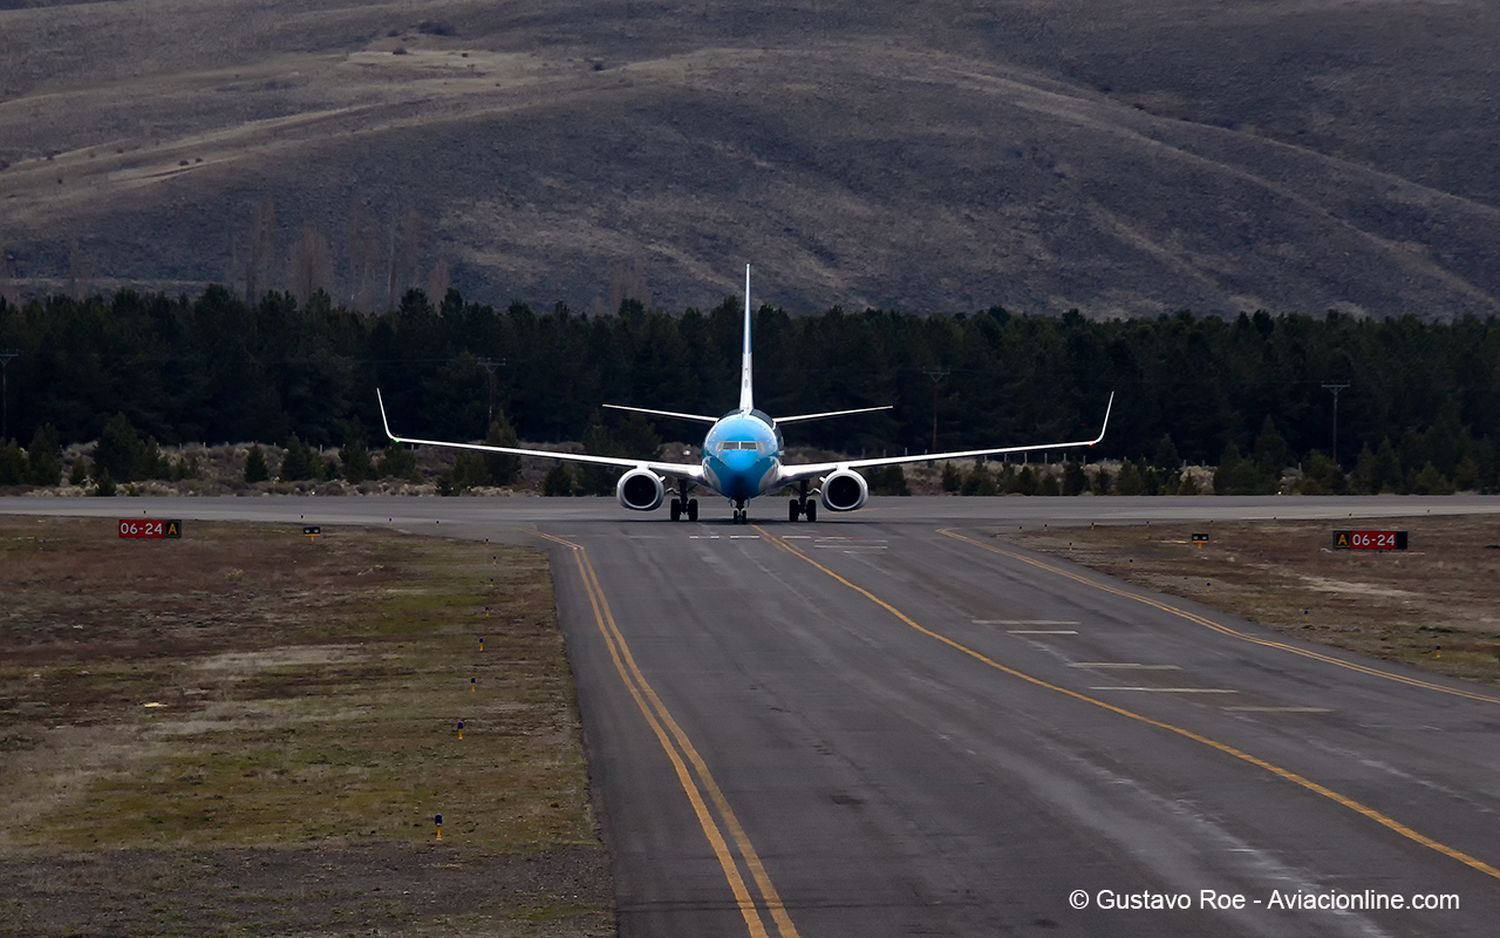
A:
(741, 458)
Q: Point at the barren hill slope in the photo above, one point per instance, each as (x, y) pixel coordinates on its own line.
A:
(1116, 156)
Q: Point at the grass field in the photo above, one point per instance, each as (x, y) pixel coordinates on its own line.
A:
(243, 732)
(1436, 605)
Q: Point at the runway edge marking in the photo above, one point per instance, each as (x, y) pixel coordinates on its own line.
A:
(1302, 781)
(1218, 626)
(657, 714)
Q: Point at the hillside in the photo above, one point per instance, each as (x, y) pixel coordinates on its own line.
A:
(1118, 157)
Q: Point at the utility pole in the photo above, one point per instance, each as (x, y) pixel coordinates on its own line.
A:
(1335, 388)
(6, 355)
(937, 375)
(489, 365)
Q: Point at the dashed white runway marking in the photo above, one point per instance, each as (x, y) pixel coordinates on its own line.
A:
(1279, 709)
(1023, 621)
(744, 537)
(1042, 631)
(1125, 664)
(1173, 690)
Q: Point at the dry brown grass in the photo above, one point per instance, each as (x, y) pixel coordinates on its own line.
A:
(221, 711)
(1436, 606)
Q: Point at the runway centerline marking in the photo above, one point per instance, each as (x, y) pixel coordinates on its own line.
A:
(1295, 778)
(667, 731)
(1219, 627)
(1041, 631)
(1129, 665)
(1023, 621)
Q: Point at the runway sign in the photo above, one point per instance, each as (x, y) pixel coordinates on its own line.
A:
(1200, 540)
(149, 528)
(1369, 540)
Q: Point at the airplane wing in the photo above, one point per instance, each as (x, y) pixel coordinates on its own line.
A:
(801, 418)
(810, 470)
(698, 418)
(690, 471)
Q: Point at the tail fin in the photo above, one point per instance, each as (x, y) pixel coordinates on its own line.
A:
(747, 393)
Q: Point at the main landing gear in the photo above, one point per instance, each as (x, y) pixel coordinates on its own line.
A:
(682, 506)
(802, 506)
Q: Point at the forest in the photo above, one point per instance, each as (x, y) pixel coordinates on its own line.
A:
(1418, 402)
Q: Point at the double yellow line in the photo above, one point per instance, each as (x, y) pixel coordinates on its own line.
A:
(692, 772)
(1220, 627)
(1283, 773)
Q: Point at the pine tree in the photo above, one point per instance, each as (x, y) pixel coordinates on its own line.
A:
(44, 457)
(397, 461)
(119, 449)
(1074, 481)
(1129, 481)
(104, 486)
(502, 469)
(354, 456)
(79, 473)
(1049, 485)
(13, 468)
(953, 480)
(1026, 481)
(889, 481)
(1431, 482)
(1166, 458)
(299, 464)
(558, 481)
(256, 469)
(470, 470)
(979, 481)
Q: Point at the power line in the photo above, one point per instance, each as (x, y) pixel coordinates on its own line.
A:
(1336, 388)
(937, 375)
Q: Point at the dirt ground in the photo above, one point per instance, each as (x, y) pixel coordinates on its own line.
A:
(244, 732)
(1435, 605)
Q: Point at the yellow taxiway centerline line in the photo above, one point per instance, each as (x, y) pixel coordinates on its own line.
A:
(1240, 754)
(1219, 627)
(657, 714)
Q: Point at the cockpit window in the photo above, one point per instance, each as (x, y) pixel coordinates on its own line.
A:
(738, 444)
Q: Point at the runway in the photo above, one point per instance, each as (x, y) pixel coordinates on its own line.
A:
(897, 723)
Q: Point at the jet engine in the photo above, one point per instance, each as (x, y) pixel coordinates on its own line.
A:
(843, 490)
(640, 490)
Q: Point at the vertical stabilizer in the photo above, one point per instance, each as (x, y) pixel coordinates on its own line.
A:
(747, 395)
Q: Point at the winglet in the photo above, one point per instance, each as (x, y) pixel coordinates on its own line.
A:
(1105, 426)
(384, 422)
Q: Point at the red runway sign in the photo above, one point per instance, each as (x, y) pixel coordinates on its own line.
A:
(1369, 540)
(149, 528)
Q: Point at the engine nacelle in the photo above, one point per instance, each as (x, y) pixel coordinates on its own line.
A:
(640, 490)
(843, 490)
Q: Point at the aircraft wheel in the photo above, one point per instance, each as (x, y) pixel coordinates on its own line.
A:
(793, 510)
(676, 510)
(811, 509)
(692, 509)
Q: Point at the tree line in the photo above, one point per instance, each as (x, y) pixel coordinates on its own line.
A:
(1421, 410)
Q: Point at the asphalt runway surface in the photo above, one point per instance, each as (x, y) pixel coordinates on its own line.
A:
(897, 723)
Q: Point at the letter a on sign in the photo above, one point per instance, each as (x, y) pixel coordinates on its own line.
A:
(1343, 539)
